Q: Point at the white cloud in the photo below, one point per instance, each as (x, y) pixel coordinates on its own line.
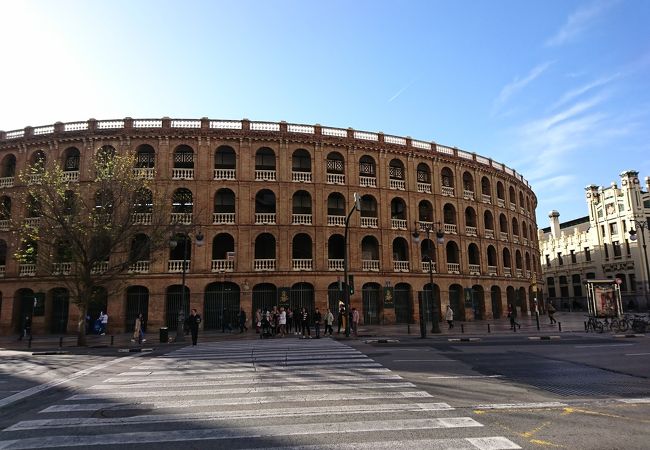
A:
(578, 22)
(401, 91)
(518, 84)
(577, 92)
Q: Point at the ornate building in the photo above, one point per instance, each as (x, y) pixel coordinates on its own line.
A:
(606, 244)
(270, 201)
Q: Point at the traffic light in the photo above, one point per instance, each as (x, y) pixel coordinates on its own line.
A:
(351, 283)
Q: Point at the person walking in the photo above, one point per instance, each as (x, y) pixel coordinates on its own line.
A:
(27, 328)
(318, 318)
(355, 321)
(194, 321)
(304, 322)
(289, 327)
(340, 317)
(258, 320)
(103, 318)
(242, 321)
(329, 321)
(282, 322)
(550, 309)
(449, 317)
(138, 330)
(512, 314)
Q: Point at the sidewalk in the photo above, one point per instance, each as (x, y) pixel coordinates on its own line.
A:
(568, 322)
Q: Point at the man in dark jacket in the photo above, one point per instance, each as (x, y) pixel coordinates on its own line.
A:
(194, 321)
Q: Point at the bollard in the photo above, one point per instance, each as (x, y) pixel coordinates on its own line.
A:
(29, 342)
(488, 328)
(586, 327)
(408, 327)
(537, 319)
(462, 328)
(112, 340)
(60, 341)
(559, 327)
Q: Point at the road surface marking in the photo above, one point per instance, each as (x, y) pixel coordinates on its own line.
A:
(636, 354)
(634, 400)
(521, 405)
(428, 360)
(602, 345)
(464, 376)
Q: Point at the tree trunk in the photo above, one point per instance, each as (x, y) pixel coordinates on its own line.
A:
(81, 325)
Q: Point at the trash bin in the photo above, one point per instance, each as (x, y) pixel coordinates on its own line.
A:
(164, 335)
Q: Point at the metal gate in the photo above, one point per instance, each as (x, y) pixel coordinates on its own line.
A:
(97, 304)
(302, 296)
(264, 298)
(173, 305)
(403, 304)
(334, 298)
(137, 302)
(221, 307)
(60, 307)
(371, 298)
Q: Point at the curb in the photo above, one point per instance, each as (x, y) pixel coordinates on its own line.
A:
(381, 341)
(543, 338)
(55, 352)
(628, 335)
(464, 339)
(135, 350)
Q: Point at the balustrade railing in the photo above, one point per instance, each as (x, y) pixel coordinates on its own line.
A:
(99, 267)
(176, 266)
(224, 174)
(448, 191)
(34, 178)
(513, 206)
(336, 221)
(468, 195)
(507, 271)
(26, 270)
(6, 182)
(489, 233)
(139, 267)
(424, 188)
(519, 273)
(71, 176)
(62, 268)
(501, 202)
(222, 265)
(335, 264)
(528, 274)
(182, 174)
(486, 198)
(492, 270)
(264, 265)
(503, 235)
(223, 218)
(370, 265)
(144, 172)
(301, 264)
(4, 225)
(335, 178)
(301, 177)
(400, 266)
(471, 231)
(3, 270)
(32, 221)
(450, 228)
(181, 218)
(301, 219)
(398, 184)
(142, 218)
(515, 239)
(398, 224)
(525, 241)
(265, 175)
(369, 222)
(426, 264)
(453, 268)
(367, 181)
(474, 269)
(264, 218)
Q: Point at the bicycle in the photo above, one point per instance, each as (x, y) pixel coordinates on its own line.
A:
(593, 324)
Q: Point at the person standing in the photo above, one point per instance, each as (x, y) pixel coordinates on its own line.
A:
(138, 330)
(550, 309)
(195, 320)
(258, 321)
(355, 321)
(449, 317)
(304, 322)
(27, 328)
(242, 321)
(103, 318)
(340, 318)
(512, 314)
(289, 326)
(282, 322)
(329, 321)
(318, 318)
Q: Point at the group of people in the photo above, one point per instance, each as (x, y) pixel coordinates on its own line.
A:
(99, 326)
(280, 322)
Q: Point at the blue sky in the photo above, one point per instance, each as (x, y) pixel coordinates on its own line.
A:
(558, 90)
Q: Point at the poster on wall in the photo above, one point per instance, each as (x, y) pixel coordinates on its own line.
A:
(389, 298)
(604, 298)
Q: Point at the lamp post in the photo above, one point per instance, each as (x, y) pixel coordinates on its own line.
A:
(440, 238)
(173, 243)
(346, 287)
(633, 238)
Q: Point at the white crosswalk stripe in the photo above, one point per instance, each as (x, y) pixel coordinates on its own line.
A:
(289, 394)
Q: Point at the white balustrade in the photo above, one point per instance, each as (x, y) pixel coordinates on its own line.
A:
(448, 191)
(486, 198)
(370, 265)
(15, 134)
(453, 268)
(4, 225)
(264, 218)
(474, 269)
(369, 222)
(306, 129)
(492, 270)
(400, 266)
(394, 140)
(444, 150)
(513, 207)
(265, 175)
(109, 124)
(142, 218)
(75, 126)
(226, 124)
(528, 274)
(471, 231)
(71, 176)
(504, 235)
(3, 270)
(335, 178)
(144, 172)
(367, 181)
(450, 228)
(421, 145)
(468, 195)
(223, 218)
(424, 188)
(62, 268)
(301, 219)
(181, 218)
(400, 185)
(139, 267)
(301, 264)
(489, 233)
(99, 267)
(222, 265)
(6, 182)
(34, 178)
(515, 239)
(26, 270)
(147, 123)
(424, 226)
(507, 271)
(182, 174)
(522, 210)
(336, 221)
(176, 266)
(301, 177)
(525, 241)
(366, 136)
(519, 273)
(335, 264)
(501, 202)
(224, 174)
(398, 224)
(264, 126)
(337, 132)
(186, 123)
(32, 221)
(264, 265)
(426, 264)
(39, 131)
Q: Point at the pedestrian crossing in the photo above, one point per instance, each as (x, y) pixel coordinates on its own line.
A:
(289, 394)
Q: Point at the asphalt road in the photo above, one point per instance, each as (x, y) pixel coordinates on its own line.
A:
(577, 392)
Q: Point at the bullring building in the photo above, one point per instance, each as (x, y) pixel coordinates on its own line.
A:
(270, 202)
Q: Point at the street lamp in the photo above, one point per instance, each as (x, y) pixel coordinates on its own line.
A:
(346, 288)
(173, 243)
(440, 239)
(633, 238)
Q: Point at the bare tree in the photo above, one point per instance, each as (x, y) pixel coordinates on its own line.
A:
(91, 235)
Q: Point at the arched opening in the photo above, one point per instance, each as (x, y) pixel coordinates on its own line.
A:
(137, 302)
(60, 308)
(486, 189)
(301, 252)
(264, 297)
(221, 305)
(478, 302)
(497, 306)
(371, 300)
(367, 171)
(301, 213)
(453, 257)
(265, 252)
(425, 211)
(403, 303)
(370, 253)
(301, 162)
(302, 296)
(369, 214)
(456, 301)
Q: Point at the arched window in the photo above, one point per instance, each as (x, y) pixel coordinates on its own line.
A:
(335, 251)
(488, 220)
(503, 224)
(468, 182)
(301, 213)
(224, 201)
(367, 172)
(521, 200)
(400, 255)
(501, 192)
(507, 261)
(301, 161)
(512, 196)
(264, 252)
(470, 221)
(145, 157)
(33, 207)
(515, 227)
(474, 258)
(518, 261)
(182, 201)
(265, 205)
(453, 257)
(397, 174)
(368, 206)
(225, 163)
(71, 159)
(397, 209)
(492, 259)
(449, 218)
(223, 248)
(486, 189)
(336, 204)
(370, 253)
(424, 176)
(301, 252)
(425, 211)
(335, 163)
(184, 157)
(447, 180)
(140, 249)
